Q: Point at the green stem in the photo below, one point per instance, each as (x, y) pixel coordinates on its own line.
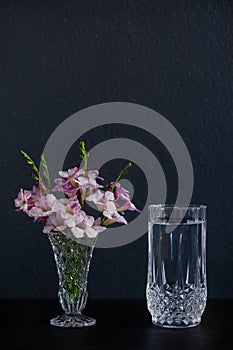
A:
(84, 155)
(32, 164)
(45, 170)
(36, 173)
(122, 172)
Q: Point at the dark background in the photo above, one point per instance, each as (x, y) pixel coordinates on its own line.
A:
(58, 57)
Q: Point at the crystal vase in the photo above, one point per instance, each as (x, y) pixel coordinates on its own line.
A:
(72, 261)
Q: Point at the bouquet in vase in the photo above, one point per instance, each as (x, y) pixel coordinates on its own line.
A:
(71, 229)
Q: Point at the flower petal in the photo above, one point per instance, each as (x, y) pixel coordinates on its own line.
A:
(77, 232)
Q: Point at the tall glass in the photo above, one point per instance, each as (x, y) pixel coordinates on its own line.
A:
(176, 283)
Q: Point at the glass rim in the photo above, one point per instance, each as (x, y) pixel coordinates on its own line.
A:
(173, 206)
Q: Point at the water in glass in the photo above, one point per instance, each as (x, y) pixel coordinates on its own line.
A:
(176, 287)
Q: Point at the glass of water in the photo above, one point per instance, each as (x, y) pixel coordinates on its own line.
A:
(176, 283)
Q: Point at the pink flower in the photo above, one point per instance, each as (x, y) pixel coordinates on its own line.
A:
(74, 182)
(117, 190)
(54, 223)
(88, 226)
(111, 218)
(24, 201)
(89, 180)
(36, 193)
(120, 193)
(104, 202)
(70, 173)
(72, 213)
(67, 183)
(43, 207)
(67, 217)
(127, 204)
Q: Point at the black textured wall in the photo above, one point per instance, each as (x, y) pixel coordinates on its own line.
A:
(58, 57)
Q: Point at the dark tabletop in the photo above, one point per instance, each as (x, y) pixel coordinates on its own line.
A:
(121, 324)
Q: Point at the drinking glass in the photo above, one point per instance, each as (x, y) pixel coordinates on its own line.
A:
(176, 282)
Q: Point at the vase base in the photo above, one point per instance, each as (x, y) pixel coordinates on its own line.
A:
(72, 321)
